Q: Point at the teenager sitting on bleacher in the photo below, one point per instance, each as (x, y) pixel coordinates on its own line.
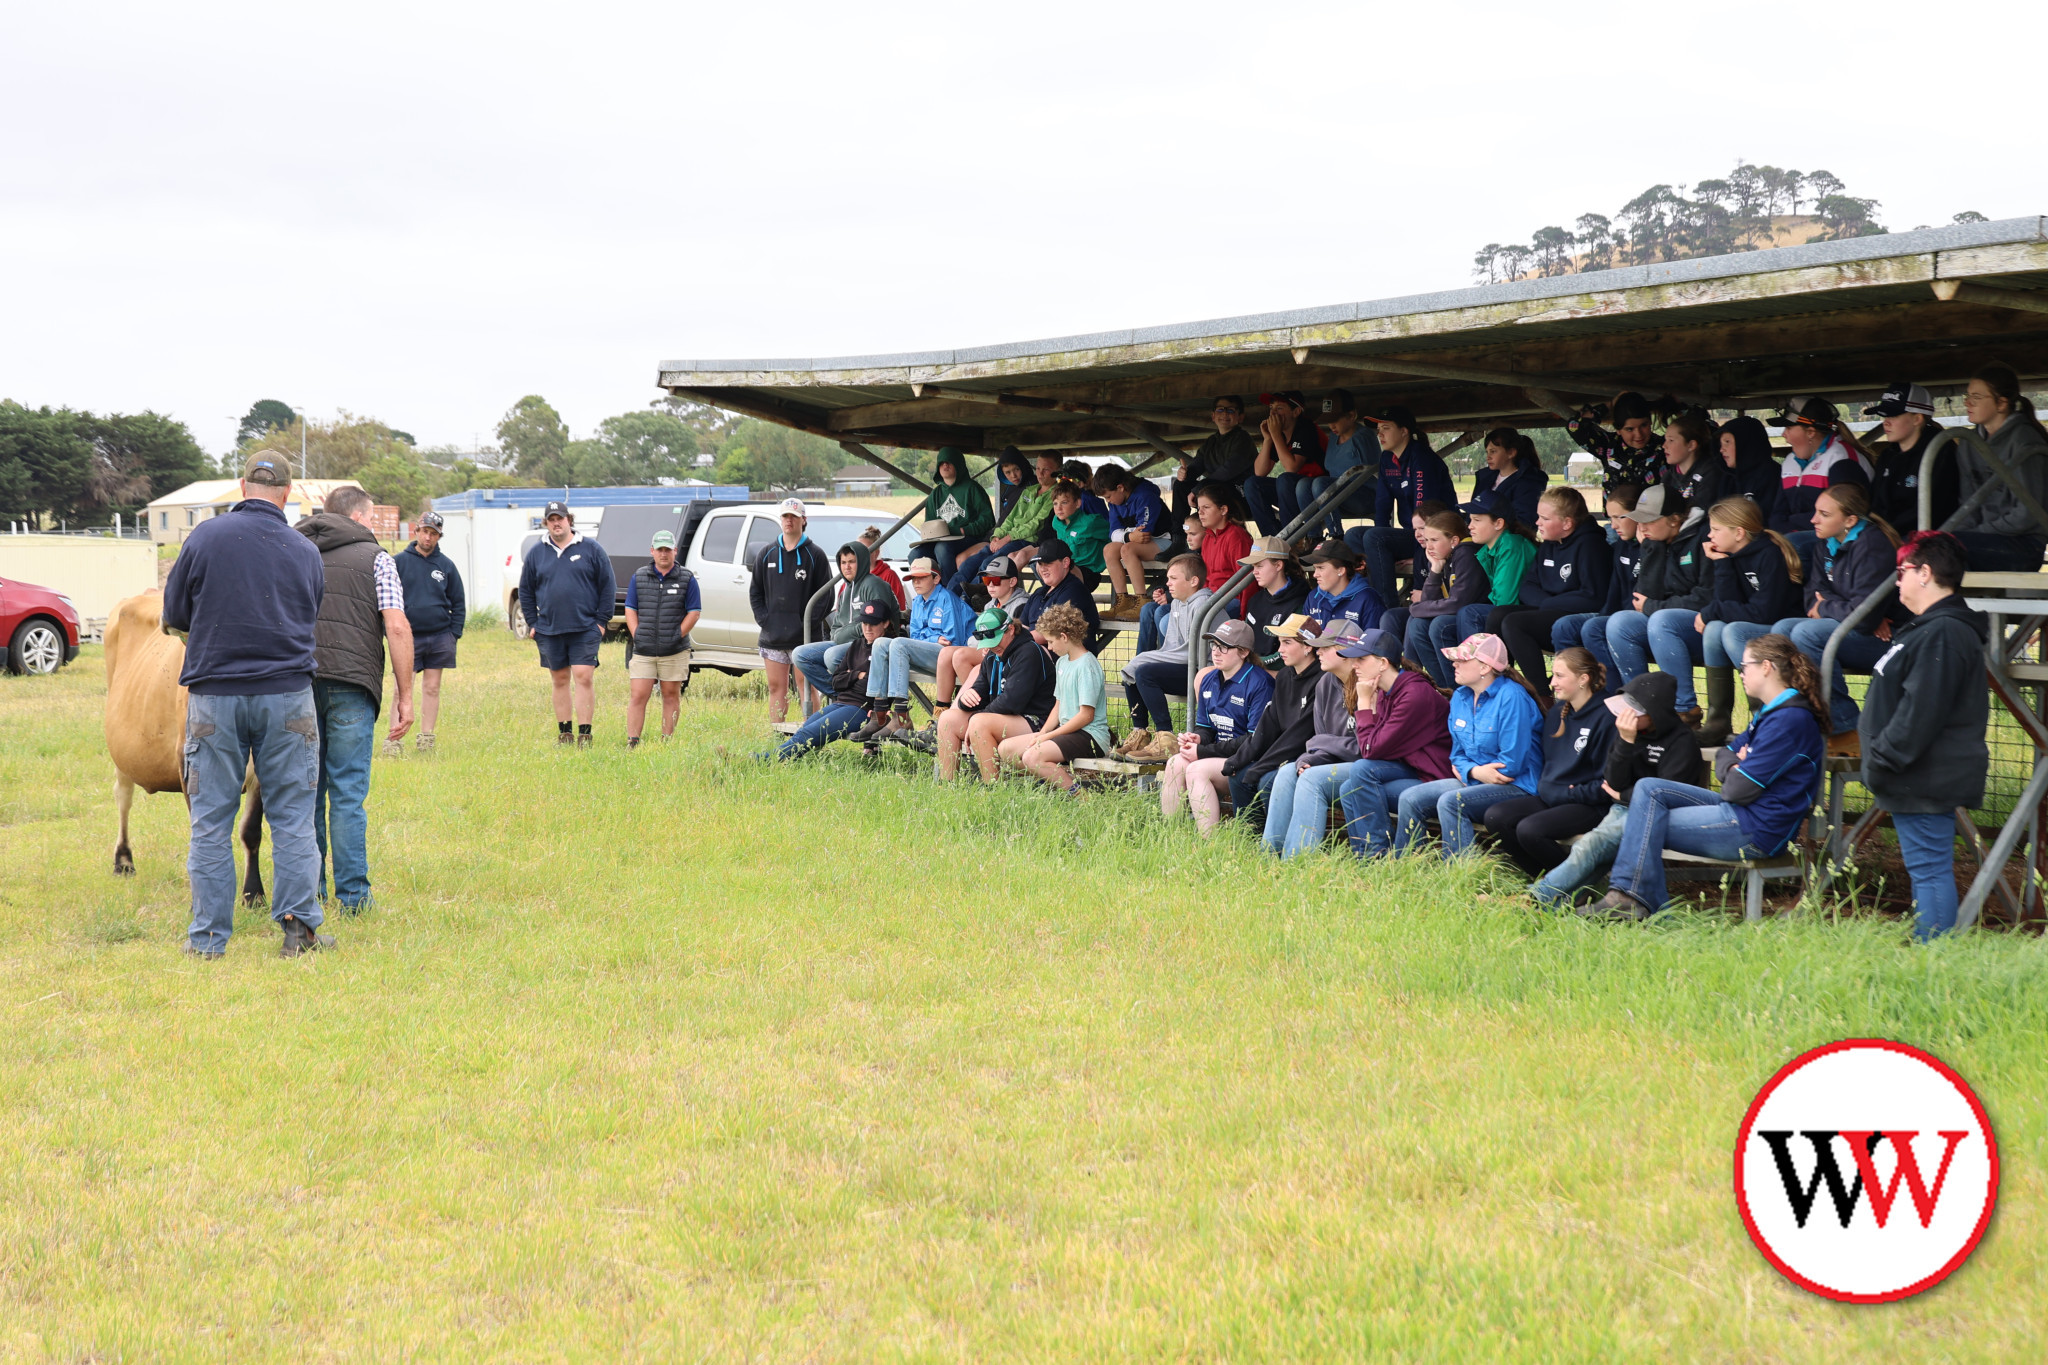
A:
(1284, 727)
(1228, 703)
(962, 504)
(1078, 725)
(1057, 583)
(872, 538)
(1770, 777)
(1006, 594)
(1628, 453)
(1280, 592)
(1410, 474)
(1351, 444)
(1083, 532)
(1673, 575)
(1224, 540)
(1693, 468)
(1394, 614)
(1856, 554)
(1753, 465)
(1506, 549)
(848, 707)
(1403, 730)
(1226, 458)
(1150, 676)
(1627, 552)
(1455, 580)
(2001, 535)
(1152, 615)
(1019, 534)
(1290, 457)
(1650, 740)
(1013, 476)
(1298, 804)
(1012, 694)
(1571, 797)
(1341, 593)
(1495, 756)
(1907, 411)
(1513, 474)
(1923, 724)
(937, 619)
(1822, 453)
(1140, 530)
(818, 660)
(1572, 569)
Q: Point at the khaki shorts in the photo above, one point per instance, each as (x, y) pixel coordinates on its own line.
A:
(661, 667)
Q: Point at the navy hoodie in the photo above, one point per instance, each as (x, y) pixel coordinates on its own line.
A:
(1521, 490)
(1776, 785)
(1621, 589)
(1753, 584)
(1840, 578)
(1070, 591)
(568, 593)
(1570, 574)
(1419, 476)
(247, 588)
(433, 592)
(1575, 762)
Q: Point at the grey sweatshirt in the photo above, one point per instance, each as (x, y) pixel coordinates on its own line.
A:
(2024, 450)
(1336, 736)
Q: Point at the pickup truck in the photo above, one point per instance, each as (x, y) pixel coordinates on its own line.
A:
(718, 543)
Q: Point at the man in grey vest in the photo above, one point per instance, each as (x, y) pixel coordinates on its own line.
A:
(662, 603)
(364, 605)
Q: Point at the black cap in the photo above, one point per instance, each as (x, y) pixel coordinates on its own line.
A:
(1400, 414)
(1901, 398)
(1812, 412)
(1054, 549)
(556, 509)
(1333, 552)
(1294, 396)
(1483, 505)
(873, 613)
(1338, 401)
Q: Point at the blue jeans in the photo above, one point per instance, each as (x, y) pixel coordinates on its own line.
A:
(1927, 845)
(945, 556)
(1593, 636)
(348, 736)
(816, 661)
(1810, 635)
(894, 660)
(967, 568)
(1684, 819)
(1248, 799)
(1151, 626)
(1298, 815)
(222, 734)
(1456, 804)
(1567, 631)
(829, 723)
(1275, 500)
(1359, 504)
(1146, 685)
(1677, 647)
(1425, 641)
(1370, 790)
(1594, 850)
(1382, 546)
(1471, 620)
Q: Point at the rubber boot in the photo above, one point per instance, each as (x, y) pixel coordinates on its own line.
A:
(1717, 723)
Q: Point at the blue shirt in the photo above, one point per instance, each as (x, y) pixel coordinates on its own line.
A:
(1362, 448)
(1230, 707)
(1143, 510)
(693, 600)
(1497, 726)
(940, 617)
(1357, 603)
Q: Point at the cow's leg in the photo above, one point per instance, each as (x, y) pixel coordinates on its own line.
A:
(124, 797)
(252, 845)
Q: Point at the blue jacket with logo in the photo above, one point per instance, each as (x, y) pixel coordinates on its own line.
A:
(433, 592)
(1575, 761)
(941, 617)
(1358, 602)
(1570, 574)
(1228, 709)
(1143, 510)
(571, 592)
(1776, 784)
(1497, 726)
(1419, 476)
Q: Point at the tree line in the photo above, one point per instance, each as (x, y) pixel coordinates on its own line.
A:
(663, 442)
(60, 465)
(1743, 211)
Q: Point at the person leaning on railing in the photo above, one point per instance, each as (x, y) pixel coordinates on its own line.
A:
(2001, 535)
(1923, 723)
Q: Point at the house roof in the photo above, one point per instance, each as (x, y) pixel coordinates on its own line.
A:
(1736, 331)
(206, 492)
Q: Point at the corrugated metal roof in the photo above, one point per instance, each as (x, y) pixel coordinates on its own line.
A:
(639, 496)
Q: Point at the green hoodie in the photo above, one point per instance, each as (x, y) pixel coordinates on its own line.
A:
(1085, 536)
(841, 622)
(1028, 515)
(963, 506)
(1505, 561)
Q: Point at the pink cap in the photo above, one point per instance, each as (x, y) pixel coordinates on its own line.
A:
(1482, 648)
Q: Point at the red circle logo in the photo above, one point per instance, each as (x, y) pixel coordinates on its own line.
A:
(1866, 1171)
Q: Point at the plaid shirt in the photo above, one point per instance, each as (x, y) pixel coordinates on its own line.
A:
(390, 592)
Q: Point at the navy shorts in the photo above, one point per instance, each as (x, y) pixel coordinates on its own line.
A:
(566, 651)
(433, 651)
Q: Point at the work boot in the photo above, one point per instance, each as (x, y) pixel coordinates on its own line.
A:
(583, 736)
(878, 721)
(1124, 607)
(1134, 741)
(425, 743)
(393, 749)
(1718, 723)
(300, 938)
(563, 735)
(1616, 907)
(1165, 744)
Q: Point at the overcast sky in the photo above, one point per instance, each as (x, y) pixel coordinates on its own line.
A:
(420, 212)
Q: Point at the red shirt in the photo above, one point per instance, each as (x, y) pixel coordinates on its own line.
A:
(880, 569)
(1220, 552)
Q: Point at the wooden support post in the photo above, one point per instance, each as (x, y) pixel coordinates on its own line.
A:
(1989, 295)
(1163, 448)
(862, 453)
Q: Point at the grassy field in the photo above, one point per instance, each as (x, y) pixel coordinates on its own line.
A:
(669, 1055)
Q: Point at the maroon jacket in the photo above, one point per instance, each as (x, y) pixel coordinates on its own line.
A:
(1411, 724)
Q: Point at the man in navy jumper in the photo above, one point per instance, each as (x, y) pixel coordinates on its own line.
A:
(436, 611)
(567, 591)
(246, 590)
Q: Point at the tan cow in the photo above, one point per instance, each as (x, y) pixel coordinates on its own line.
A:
(146, 725)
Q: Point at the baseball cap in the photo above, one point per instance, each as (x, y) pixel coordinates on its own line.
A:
(1333, 551)
(988, 627)
(432, 519)
(1268, 547)
(1400, 414)
(1053, 550)
(1646, 694)
(267, 467)
(791, 507)
(556, 509)
(1384, 643)
(877, 613)
(663, 540)
(1483, 505)
(1657, 502)
(999, 567)
(1233, 633)
(921, 568)
(1295, 627)
(1482, 648)
(1338, 400)
(1807, 411)
(1900, 398)
(1338, 632)
(1293, 396)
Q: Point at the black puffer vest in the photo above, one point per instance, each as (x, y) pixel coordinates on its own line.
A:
(348, 639)
(658, 602)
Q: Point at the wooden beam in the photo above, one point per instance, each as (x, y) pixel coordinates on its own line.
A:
(1991, 296)
(862, 454)
(1020, 400)
(1162, 448)
(1542, 388)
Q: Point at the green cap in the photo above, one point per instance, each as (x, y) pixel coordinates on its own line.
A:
(270, 467)
(988, 627)
(663, 540)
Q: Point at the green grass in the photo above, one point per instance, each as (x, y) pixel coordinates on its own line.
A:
(671, 1056)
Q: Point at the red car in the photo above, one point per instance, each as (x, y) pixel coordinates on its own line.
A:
(40, 627)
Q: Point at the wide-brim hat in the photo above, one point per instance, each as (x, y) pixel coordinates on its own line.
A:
(935, 530)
